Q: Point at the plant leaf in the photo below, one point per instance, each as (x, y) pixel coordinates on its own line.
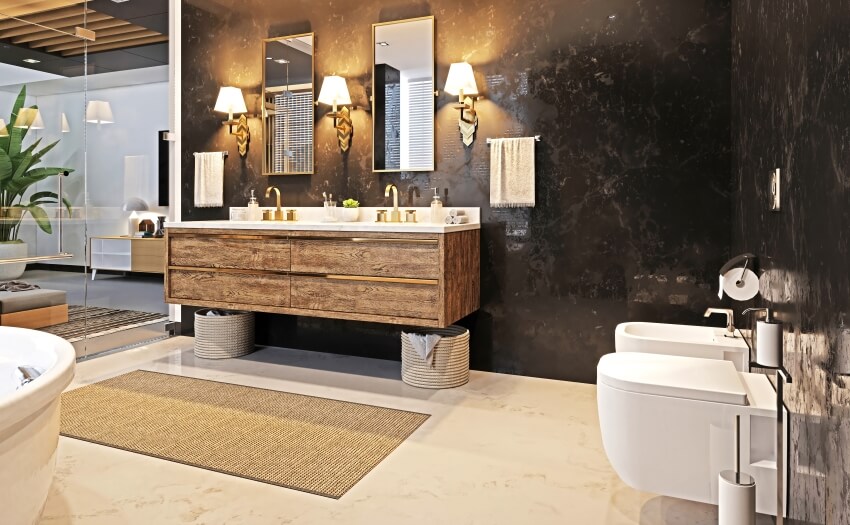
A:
(24, 162)
(5, 168)
(43, 194)
(40, 217)
(37, 157)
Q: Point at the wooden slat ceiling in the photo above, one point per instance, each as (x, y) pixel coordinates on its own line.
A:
(64, 16)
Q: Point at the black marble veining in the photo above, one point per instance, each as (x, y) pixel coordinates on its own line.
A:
(631, 99)
(791, 110)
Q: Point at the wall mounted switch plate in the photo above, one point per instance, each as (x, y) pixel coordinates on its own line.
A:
(774, 190)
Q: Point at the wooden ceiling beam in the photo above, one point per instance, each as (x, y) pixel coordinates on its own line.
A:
(103, 33)
(44, 35)
(97, 48)
(142, 33)
(24, 8)
(71, 21)
(43, 18)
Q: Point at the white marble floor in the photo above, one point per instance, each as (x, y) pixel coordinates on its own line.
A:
(500, 450)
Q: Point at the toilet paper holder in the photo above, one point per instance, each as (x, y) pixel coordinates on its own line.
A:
(743, 260)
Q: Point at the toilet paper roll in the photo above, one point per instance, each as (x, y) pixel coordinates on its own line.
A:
(769, 343)
(749, 284)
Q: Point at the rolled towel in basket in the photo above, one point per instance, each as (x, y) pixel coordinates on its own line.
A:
(424, 345)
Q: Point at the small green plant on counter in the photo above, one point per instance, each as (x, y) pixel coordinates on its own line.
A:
(350, 203)
(18, 173)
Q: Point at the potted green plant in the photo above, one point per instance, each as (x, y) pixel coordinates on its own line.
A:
(18, 173)
(350, 210)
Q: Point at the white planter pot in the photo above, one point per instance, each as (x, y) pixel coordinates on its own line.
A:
(13, 250)
(350, 214)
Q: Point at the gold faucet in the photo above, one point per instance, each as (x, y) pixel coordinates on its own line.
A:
(278, 214)
(395, 215)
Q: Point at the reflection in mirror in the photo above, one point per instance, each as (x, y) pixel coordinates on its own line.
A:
(288, 105)
(403, 99)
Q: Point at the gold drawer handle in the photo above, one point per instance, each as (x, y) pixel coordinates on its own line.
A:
(396, 240)
(380, 279)
(228, 270)
(231, 236)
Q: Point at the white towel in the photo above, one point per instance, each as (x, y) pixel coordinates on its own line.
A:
(209, 180)
(424, 346)
(512, 173)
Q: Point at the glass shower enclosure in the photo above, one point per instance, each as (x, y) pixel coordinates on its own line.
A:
(79, 160)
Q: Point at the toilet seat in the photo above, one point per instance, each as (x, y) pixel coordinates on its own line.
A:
(673, 376)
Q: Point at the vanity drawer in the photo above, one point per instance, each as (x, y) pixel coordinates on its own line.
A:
(361, 296)
(247, 252)
(371, 257)
(238, 288)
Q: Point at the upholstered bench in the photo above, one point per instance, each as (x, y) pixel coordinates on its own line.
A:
(33, 308)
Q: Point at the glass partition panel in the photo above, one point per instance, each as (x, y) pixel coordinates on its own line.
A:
(80, 160)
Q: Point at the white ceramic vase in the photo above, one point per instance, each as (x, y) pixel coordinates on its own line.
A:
(12, 250)
(350, 214)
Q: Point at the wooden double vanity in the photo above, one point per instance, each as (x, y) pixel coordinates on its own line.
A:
(419, 275)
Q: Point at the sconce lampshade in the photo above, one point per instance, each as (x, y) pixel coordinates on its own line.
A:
(29, 118)
(230, 101)
(99, 112)
(334, 91)
(3, 131)
(66, 128)
(461, 79)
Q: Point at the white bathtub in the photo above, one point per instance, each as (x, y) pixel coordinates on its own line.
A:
(29, 419)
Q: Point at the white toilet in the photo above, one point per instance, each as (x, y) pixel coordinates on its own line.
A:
(668, 424)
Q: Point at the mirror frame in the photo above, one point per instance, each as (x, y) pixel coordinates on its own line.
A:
(433, 90)
(266, 41)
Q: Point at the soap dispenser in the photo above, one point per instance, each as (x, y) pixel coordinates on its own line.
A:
(768, 339)
(254, 213)
(436, 208)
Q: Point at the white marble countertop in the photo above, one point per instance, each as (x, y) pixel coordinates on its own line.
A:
(312, 219)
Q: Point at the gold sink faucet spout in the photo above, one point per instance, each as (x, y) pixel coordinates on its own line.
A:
(278, 214)
(395, 215)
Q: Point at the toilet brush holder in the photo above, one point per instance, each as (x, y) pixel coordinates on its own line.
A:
(736, 499)
(736, 491)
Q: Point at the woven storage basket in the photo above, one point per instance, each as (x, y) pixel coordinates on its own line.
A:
(224, 336)
(451, 360)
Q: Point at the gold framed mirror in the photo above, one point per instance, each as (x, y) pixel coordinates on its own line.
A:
(403, 98)
(288, 109)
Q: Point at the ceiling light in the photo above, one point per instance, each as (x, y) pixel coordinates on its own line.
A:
(31, 61)
(120, 1)
(384, 44)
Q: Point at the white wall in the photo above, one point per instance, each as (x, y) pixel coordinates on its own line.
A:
(122, 162)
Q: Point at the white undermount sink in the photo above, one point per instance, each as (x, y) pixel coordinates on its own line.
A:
(683, 340)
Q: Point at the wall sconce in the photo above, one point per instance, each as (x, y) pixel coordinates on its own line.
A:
(335, 92)
(4, 131)
(461, 82)
(63, 122)
(29, 118)
(99, 112)
(230, 101)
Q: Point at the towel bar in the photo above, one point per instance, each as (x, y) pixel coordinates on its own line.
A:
(536, 138)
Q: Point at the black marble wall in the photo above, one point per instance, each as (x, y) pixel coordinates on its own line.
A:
(632, 100)
(791, 110)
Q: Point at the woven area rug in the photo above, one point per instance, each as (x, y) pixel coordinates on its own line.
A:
(312, 444)
(95, 321)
